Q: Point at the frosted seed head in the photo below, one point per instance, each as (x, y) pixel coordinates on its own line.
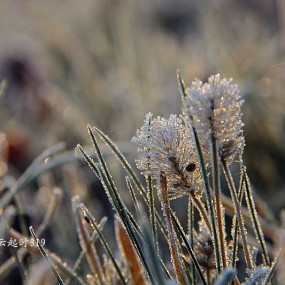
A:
(215, 111)
(166, 145)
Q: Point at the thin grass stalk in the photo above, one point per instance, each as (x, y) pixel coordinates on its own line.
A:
(103, 241)
(191, 232)
(85, 243)
(254, 219)
(126, 165)
(152, 209)
(268, 228)
(218, 201)
(189, 248)
(239, 216)
(176, 261)
(45, 255)
(132, 192)
(152, 252)
(82, 254)
(201, 209)
(236, 226)
(205, 180)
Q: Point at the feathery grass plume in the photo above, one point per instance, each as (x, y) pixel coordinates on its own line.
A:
(215, 109)
(166, 145)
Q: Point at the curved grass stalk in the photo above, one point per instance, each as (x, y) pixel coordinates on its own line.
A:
(112, 192)
(126, 165)
(45, 255)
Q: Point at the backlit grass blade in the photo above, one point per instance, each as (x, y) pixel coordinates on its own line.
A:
(122, 159)
(45, 255)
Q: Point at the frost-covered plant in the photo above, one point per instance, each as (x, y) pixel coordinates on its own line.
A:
(184, 155)
(167, 145)
(215, 111)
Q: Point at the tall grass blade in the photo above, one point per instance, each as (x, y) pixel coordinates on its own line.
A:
(152, 208)
(126, 165)
(45, 255)
(132, 192)
(254, 218)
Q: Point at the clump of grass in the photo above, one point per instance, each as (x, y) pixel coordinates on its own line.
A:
(185, 156)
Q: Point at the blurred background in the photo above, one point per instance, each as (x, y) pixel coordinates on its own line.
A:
(108, 63)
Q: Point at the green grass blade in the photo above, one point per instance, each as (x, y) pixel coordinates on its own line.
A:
(189, 248)
(152, 208)
(45, 255)
(126, 165)
(132, 192)
(254, 218)
(235, 225)
(113, 195)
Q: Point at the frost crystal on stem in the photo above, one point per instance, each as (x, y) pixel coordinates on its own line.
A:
(215, 110)
(167, 145)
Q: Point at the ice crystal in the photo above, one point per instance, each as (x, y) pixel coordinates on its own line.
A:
(166, 145)
(256, 276)
(215, 110)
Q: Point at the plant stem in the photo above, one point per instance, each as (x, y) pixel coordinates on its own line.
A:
(218, 201)
(171, 234)
(238, 213)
